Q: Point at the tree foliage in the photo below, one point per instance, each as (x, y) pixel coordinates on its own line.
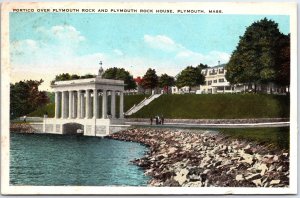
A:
(165, 81)
(256, 58)
(190, 76)
(25, 97)
(67, 76)
(120, 74)
(150, 79)
(283, 66)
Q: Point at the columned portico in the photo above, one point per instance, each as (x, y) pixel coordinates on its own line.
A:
(78, 102)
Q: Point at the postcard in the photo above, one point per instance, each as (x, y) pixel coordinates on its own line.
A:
(148, 98)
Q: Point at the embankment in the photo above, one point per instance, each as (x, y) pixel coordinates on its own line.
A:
(204, 159)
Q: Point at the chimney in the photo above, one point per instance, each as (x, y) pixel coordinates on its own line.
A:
(218, 63)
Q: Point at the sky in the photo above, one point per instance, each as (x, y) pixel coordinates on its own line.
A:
(43, 45)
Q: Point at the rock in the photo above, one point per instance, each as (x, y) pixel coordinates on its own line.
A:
(257, 182)
(206, 171)
(172, 150)
(279, 168)
(248, 151)
(218, 163)
(171, 182)
(263, 168)
(181, 176)
(275, 158)
(239, 178)
(193, 184)
(273, 182)
(253, 176)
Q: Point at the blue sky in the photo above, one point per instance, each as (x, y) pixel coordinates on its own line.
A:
(45, 44)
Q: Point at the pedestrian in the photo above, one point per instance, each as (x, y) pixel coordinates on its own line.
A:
(162, 120)
(156, 120)
(151, 120)
(24, 118)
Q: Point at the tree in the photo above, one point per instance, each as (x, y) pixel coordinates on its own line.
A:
(190, 76)
(25, 97)
(150, 79)
(165, 81)
(120, 74)
(67, 76)
(283, 62)
(202, 66)
(255, 60)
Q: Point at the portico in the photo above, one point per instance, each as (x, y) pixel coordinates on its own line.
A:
(95, 103)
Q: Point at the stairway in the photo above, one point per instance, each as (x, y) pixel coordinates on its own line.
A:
(143, 103)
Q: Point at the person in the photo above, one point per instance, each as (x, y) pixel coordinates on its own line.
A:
(24, 118)
(156, 120)
(151, 120)
(162, 120)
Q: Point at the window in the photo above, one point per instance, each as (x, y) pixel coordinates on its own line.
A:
(221, 80)
(215, 81)
(209, 82)
(227, 88)
(221, 71)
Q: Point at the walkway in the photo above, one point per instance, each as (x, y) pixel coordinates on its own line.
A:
(144, 102)
(190, 125)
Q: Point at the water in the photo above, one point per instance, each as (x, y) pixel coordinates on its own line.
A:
(40, 159)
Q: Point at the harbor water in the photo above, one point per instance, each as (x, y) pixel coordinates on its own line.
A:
(62, 160)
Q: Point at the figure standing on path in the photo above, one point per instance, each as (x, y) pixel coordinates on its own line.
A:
(162, 120)
(151, 120)
(156, 120)
(24, 118)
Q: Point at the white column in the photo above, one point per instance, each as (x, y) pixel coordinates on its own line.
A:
(96, 107)
(74, 99)
(113, 104)
(121, 104)
(82, 105)
(63, 104)
(56, 104)
(104, 104)
(78, 104)
(70, 104)
(87, 104)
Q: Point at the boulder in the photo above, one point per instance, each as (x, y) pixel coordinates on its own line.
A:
(181, 176)
(273, 182)
(253, 176)
(257, 182)
(239, 178)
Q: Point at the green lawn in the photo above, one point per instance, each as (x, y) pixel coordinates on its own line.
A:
(217, 106)
(274, 137)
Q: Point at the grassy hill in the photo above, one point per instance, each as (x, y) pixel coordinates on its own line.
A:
(129, 101)
(217, 106)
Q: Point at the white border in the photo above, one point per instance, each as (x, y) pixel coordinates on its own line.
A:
(228, 8)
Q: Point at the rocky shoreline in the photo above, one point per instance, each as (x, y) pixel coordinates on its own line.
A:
(202, 158)
(21, 128)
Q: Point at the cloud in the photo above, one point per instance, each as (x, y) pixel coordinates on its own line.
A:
(182, 54)
(162, 42)
(62, 33)
(118, 52)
